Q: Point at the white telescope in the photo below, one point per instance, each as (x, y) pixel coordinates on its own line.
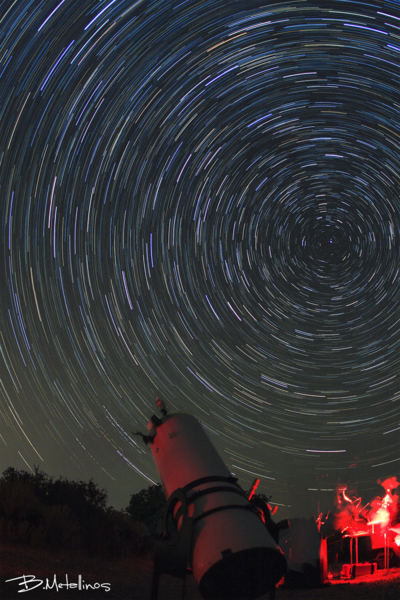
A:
(232, 555)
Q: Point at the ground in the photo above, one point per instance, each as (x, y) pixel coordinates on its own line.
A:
(130, 579)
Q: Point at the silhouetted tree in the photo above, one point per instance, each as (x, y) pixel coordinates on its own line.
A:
(80, 496)
(147, 506)
(57, 513)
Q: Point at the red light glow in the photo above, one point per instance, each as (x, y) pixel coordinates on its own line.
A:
(379, 519)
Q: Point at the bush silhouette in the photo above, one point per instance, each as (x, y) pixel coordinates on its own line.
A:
(57, 514)
(147, 506)
(20, 510)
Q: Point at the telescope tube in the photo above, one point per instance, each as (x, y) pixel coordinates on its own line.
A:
(233, 556)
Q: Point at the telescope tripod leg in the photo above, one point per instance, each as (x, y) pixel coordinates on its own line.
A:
(183, 588)
(172, 557)
(155, 582)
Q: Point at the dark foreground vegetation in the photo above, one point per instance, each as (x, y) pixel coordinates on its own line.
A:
(58, 514)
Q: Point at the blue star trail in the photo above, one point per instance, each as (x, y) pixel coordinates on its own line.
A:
(200, 201)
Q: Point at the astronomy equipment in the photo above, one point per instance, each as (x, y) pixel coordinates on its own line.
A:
(218, 533)
(306, 554)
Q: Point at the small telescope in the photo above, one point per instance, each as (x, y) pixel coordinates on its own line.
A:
(216, 530)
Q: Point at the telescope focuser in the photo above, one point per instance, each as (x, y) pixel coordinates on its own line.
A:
(148, 439)
(161, 407)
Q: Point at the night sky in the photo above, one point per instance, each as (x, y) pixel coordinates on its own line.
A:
(201, 201)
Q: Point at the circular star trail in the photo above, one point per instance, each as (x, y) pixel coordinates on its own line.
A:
(200, 201)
